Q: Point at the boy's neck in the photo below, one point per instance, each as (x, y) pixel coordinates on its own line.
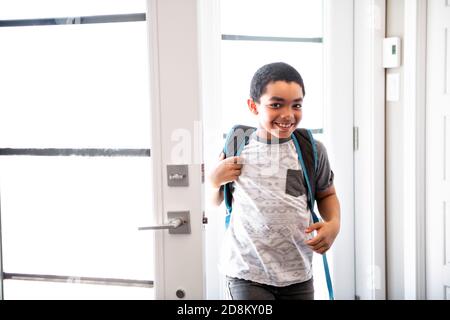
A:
(264, 136)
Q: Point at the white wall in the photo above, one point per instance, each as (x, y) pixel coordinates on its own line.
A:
(405, 149)
(394, 163)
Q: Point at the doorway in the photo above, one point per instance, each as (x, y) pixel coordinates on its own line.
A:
(322, 51)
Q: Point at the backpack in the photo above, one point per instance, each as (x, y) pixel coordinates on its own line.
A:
(305, 145)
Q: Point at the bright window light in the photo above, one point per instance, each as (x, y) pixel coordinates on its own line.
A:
(282, 18)
(32, 9)
(77, 87)
(74, 86)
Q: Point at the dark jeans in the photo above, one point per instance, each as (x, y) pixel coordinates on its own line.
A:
(240, 289)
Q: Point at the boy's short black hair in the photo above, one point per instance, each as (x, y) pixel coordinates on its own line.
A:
(277, 71)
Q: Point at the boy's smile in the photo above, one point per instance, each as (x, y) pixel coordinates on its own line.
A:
(279, 110)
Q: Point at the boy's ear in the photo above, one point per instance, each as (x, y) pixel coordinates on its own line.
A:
(252, 106)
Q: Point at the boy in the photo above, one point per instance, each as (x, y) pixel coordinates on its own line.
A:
(267, 250)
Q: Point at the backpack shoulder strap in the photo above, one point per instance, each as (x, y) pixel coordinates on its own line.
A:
(237, 138)
(308, 150)
(307, 156)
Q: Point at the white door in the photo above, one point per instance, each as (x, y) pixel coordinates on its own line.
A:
(90, 117)
(316, 37)
(438, 151)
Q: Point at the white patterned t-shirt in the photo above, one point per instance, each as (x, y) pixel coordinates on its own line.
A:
(264, 242)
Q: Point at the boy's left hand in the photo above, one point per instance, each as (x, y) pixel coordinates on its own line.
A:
(326, 233)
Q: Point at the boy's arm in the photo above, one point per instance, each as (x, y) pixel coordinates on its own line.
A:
(226, 170)
(328, 205)
(216, 196)
(328, 229)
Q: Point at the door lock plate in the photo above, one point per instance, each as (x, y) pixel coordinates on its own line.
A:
(185, 228)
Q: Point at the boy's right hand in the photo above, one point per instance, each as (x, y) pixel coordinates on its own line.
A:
(226, 170)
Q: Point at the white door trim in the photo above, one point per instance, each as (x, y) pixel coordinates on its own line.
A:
(414, 111)
(338, 121)
(370, 260)
(209, 19)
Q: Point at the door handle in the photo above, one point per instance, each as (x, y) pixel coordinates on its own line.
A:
(178, 223)
(172, 224)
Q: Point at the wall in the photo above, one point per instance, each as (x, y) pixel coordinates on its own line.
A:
(394, 164)
(405, 149)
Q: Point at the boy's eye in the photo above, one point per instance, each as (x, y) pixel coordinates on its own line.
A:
(275, 105)
(297, 106)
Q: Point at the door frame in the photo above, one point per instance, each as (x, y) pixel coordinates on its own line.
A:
(339, 119)
(414, 149)
(209, 21)
(369, 156)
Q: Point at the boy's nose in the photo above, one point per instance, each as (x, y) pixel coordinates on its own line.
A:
(287, 113)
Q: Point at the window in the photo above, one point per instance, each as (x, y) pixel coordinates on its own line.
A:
(75, 180)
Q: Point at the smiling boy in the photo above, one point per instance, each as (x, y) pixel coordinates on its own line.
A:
(268, 247)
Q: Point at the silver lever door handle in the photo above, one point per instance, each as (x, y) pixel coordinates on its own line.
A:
(172, 224)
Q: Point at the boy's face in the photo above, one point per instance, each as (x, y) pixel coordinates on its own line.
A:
(280, 109)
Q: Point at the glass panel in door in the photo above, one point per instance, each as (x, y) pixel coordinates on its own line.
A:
(75, 165)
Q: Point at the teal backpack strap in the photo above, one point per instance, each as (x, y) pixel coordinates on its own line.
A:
(314, 147)
(235, 142)
(311, 195)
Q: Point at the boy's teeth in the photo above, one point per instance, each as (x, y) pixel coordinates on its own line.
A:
(284, 125)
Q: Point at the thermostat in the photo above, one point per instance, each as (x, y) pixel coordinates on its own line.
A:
(391, 52)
